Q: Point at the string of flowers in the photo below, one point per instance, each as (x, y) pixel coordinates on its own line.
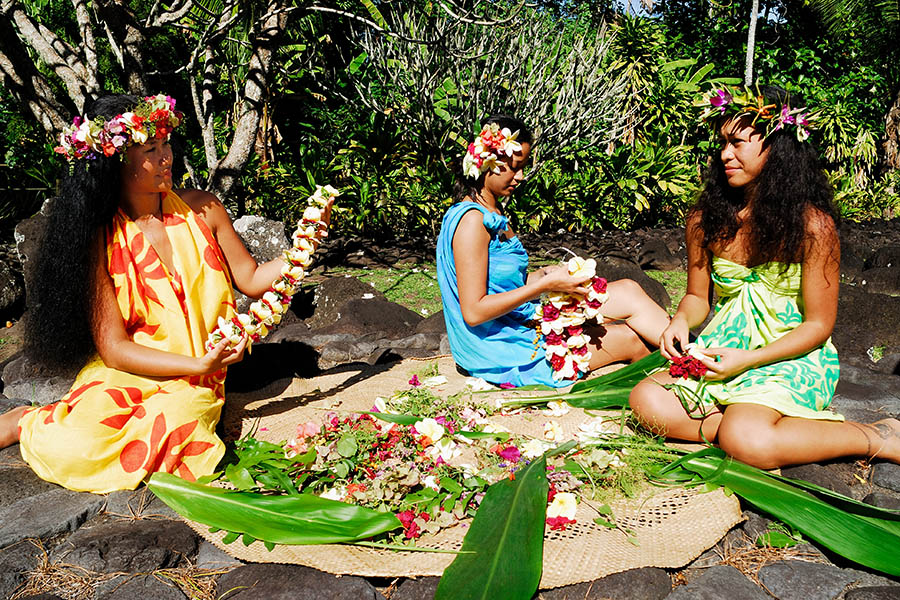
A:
(265, 313)
(562, 316)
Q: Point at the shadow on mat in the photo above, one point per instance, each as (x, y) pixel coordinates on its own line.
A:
(268, 372)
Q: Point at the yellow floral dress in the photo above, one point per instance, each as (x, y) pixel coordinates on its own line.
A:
(758, 305)
(115, 428)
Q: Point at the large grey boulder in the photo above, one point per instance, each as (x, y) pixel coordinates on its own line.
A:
(866, 320)
(35, 383)
(129, 546)
(330, 296)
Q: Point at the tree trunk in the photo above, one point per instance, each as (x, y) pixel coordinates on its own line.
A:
(224, 177)
(751, 44)
(890, 143)
(26, 84)
(126, 36)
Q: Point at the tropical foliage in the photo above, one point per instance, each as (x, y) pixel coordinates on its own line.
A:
(379, 97)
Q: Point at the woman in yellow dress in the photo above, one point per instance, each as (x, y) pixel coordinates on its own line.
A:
(131, 279)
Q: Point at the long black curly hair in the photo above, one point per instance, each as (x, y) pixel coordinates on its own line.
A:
(791, 182)
(58, 322)
(466, 187)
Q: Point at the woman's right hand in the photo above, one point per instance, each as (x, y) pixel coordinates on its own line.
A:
(221, 356)
(557, 279)
(674, 338)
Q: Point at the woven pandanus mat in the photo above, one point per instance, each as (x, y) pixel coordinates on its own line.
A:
(671, 526)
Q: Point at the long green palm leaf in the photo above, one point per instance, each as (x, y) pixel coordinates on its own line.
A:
(505, 543)
(296, 519)
(873, 541)
(630, 375)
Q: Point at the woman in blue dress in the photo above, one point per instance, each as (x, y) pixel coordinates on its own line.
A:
(488, 295)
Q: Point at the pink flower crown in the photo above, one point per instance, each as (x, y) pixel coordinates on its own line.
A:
(483, 154)
(154, 118)
(740, 101)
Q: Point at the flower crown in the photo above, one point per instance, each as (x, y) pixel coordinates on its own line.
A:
(483, 154)
(740, 101)
(154, 118)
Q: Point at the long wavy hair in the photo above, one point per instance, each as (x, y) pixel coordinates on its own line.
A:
(60, 315)
(466, 187)
(791, 182)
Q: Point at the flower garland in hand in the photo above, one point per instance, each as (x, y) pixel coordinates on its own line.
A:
(562, 317)
(266, 312)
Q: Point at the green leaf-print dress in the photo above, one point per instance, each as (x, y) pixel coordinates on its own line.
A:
(757, 306)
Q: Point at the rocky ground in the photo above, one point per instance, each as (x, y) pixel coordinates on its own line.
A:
(60, 544)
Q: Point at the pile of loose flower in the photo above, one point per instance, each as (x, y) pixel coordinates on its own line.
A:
(562, 316)
(431, 470)
(266, 312)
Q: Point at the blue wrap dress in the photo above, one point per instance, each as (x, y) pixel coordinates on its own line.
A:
(502, 350)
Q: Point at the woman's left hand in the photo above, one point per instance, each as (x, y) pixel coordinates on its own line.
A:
(726, 362)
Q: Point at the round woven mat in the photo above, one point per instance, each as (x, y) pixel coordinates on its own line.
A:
(672, 526)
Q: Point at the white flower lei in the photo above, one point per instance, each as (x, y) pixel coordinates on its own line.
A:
(266, 312)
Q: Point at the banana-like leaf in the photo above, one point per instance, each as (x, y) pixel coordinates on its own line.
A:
(853, 532)
(630, 375)
(505, 543)
(295, 519)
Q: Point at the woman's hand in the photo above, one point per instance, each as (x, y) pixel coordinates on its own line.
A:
(221, 356)
(724, 363)
(557, 279)
(675, 337)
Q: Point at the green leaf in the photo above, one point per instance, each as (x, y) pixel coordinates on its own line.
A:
(506, 540)
(302, 519)
(230, 537)
(392, 418)
(374, 12)
(851, 532)
(776, 539)
(356, 63)
(346, 446)
(628, 376)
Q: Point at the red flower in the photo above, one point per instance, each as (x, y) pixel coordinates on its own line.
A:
(599, 284)
(559, 523)
(687, 366)
(577, 330)
(550, 312)
(557, 362)
(414, 381)
(553, 339)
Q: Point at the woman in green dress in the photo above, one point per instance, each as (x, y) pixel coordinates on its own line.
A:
(763, 234)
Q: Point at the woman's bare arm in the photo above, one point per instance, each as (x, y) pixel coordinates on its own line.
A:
(470, 256)
(120, 352)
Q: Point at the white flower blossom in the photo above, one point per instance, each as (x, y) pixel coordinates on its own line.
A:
(336, 493)
(564, 504)
(552, 431)
(430, 429)
(534, 448)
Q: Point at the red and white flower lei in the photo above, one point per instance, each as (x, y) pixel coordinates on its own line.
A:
(266, 312)
(562, 317)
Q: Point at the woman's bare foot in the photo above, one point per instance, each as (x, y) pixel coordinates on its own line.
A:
(9, 426)
(887, 444)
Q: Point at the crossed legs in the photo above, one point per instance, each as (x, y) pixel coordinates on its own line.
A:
(761, 436)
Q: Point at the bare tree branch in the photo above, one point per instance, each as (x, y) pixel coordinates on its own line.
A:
(224, 176)
(21, 78)
(85, 28)
(30, 31)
